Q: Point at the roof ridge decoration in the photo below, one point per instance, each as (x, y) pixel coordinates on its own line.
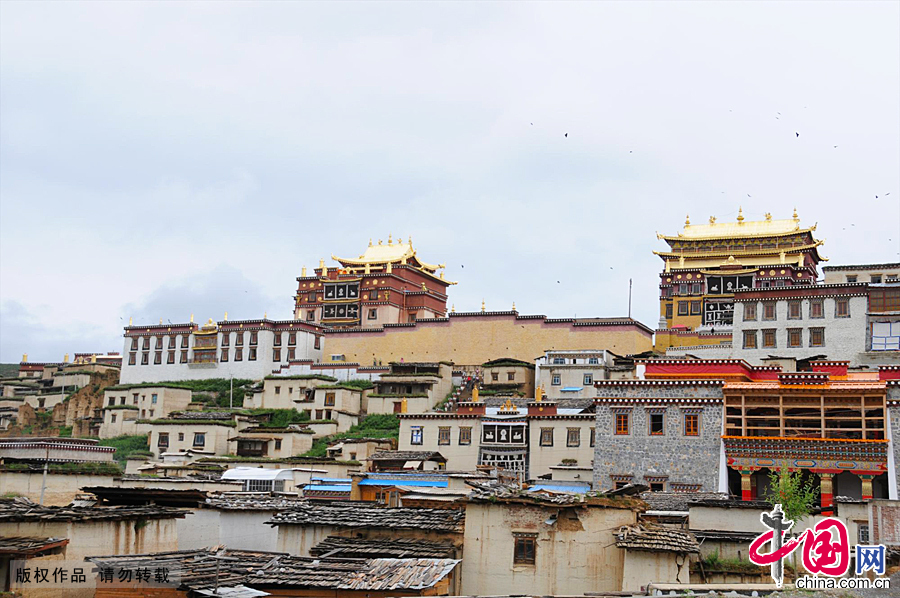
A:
(740, 228)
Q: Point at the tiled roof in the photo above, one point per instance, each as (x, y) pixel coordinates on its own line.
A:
(679, 501)
(21, 509)
(357, 515)
(656, 539)
(21, 545)
(205, 568)
(253, 502)
(406, 456)
(360, 548)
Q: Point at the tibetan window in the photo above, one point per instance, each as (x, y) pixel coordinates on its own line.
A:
(622, 423)
(795, 337)
(444, 435)
(465, 435)
(657, 423)
(749, 339)
(525, 549)
(816, 337)
(816, 308)
(546, 436)
(768, 338)
(691, 424)
(573, 437)
(750, 312)
(842, 308)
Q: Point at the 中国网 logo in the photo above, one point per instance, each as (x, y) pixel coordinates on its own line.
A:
(826, 548)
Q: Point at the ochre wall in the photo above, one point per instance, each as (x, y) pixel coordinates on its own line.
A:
(477, 338)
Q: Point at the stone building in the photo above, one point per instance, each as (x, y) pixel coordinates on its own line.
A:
(508, 377)
(662, 433)
(735, 423)
(248, 349)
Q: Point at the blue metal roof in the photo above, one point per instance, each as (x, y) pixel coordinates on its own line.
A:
(328, 487)
(571, 389)
(333, 480)
(555, 488)
(399, 481)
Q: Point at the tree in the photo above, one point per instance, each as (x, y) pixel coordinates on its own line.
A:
(796, 496)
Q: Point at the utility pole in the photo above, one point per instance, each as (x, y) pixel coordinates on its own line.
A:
(629, 298)
(44, 478)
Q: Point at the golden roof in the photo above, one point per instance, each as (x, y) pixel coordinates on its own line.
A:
(744, 261)
(739, 229)
(391, 253)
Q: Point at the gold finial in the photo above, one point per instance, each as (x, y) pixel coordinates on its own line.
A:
(404, 406)
(712, 219)
(370, 241)
(226, 316)
(508, 406)
(475, 394)
(482, 305)
(321, 263)
(442, 275)
(389, 268)
(390, 242)
(453, 308)
(514, 306)
(379, 241)
(160, 321)
(424, 288)
(539, 393)
(687, 220)
(192, 318)
(93, 359)
(265, 315)
(768, 216)
(66, 358)
(210, 321)
(740, 217)
(303, 271)
(24, 357)
(410, 241)
(131, 321)
(795, 214)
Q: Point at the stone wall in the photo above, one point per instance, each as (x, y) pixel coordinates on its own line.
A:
(894, 417)
(683, 459)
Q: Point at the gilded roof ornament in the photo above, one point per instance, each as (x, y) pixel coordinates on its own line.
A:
(768, 216)
(131, 321)
(389, 240)
(453, 308)
(160, 321)
(539, 393)
(508, 406)
(24, 357)
(795, 217)
(482, 305)
(475, 394)
(303, 271)
(192, 318)
(687, 220)
(514, 306)
(712, 219)
(66, 358)
(740, 217)
(226, 316)
(370, 241)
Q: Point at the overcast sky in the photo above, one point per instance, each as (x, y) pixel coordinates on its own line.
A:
(163, 159)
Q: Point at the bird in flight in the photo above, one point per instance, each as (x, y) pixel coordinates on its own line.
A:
(566, 135)
(797, 134)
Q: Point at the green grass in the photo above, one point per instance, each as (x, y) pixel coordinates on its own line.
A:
(9, 370)
(127, 445)
(65, 432)
(279, 418)
(374, 426)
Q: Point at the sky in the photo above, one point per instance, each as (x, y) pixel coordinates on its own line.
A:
(164, 159)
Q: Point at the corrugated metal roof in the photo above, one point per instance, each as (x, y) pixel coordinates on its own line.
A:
(404, 482)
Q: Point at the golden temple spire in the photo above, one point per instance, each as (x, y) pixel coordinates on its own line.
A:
(410, 240)
(514, 306)
(131, 321)
(453, 308)
(687, 220)
(160, 321)
(192, 318)
(482, 305)
(389, 268)
(424, 288)
(389, 240)
(226, 316)
(796, 218)
(370, 241)
(24, 357)
(712, 219)
(768, 216)
(379, 241)
(740, 217)
(475, 393)
(303, 271)
(93, 359)
(265, 315)
(66, 358)
(539, 393)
